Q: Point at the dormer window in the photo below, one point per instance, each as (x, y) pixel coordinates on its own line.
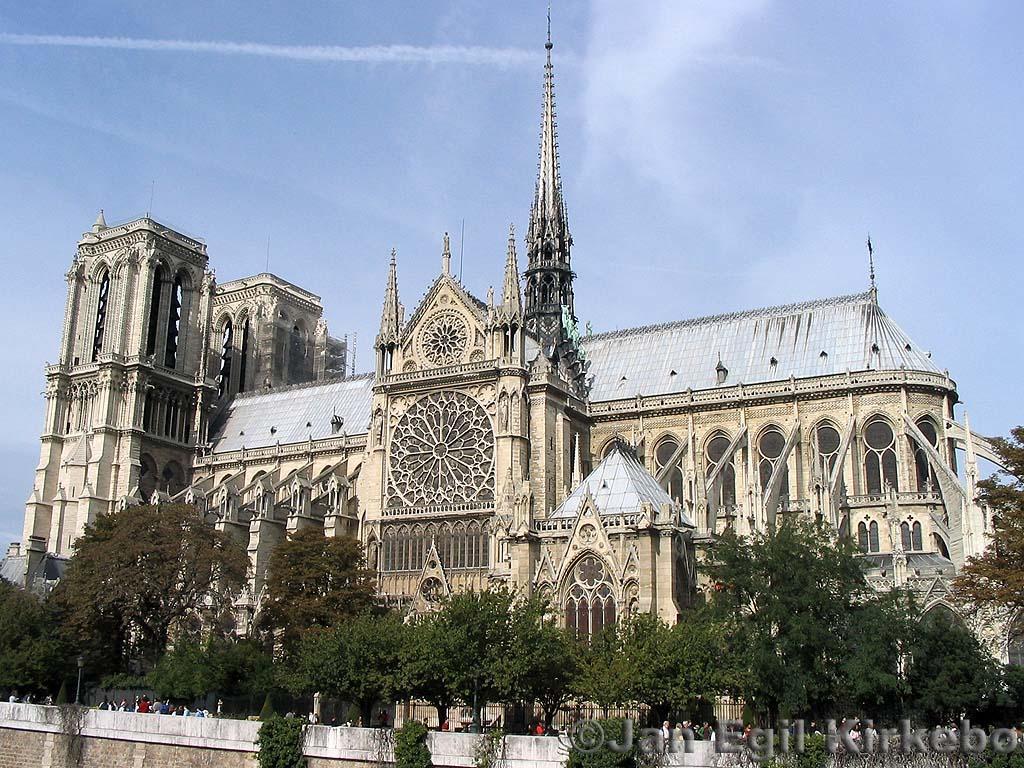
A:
(721, 373)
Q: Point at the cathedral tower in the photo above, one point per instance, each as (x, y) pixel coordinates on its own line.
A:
(549, 268)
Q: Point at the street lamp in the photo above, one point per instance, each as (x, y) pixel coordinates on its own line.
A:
(78, 688)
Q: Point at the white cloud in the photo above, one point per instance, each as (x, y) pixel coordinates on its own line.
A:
(640, 66)
(370, 54)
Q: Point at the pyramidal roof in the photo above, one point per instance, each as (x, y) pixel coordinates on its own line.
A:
(619, 484)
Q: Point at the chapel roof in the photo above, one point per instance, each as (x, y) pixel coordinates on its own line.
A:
(814, 338)
(620, 484)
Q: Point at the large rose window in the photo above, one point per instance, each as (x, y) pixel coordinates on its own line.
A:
(445, 338)
(442, 453)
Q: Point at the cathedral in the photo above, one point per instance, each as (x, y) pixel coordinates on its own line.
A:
(494, 442)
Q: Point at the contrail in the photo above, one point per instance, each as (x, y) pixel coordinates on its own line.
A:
(370, 54)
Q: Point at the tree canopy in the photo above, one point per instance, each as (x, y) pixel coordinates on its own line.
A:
(996, 578)
(314, 581)
(34, 656)
(140, 574)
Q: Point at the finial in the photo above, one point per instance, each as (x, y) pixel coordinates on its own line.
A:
(446, 256)
(394, 253)
(548, 43)
(512, 231)
(100, 224)
(490, 296)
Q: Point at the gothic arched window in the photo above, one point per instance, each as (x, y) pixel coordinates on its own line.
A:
(713, 453)
(769, 448)
(589, 601)
(243, 355)
(873, 545)
(828, 442)
(880, 456)
(101, 314)
(297, 354)
(225, 358)
(924, 472)
(663, 453)
(154, 310)
(174, 324)
(1015, 646)
(867, 536)
(862, 536)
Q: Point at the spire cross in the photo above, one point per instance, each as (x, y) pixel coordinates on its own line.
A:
(548, 44)
(871, 270)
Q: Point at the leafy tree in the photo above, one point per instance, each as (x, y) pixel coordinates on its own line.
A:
(602, 674)
(425, 659)
(996, 578)
(315, 581)
(649, 662)
(949, 674)
(792, 593)
(34, 656)
(356, 660)
(280, 743)
(224, 666)
(878, 638)
(540, 661)
(477, 627)
(139, 575)
(707, 663)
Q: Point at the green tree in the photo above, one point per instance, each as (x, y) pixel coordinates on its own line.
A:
(225, 666)
(996, 578)
(792, 593)
(34, 656)
(139, 576)
(280, 742)
(949, 674)
(358, 660)
(426, 656)
(707, 662)
(649, 663)
(602, 674)
(315, 581)
(540, 661)
(878, 639)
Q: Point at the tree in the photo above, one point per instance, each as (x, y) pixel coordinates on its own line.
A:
(996, 578)
(140, 574)
(34, 656)
(225, 666)
(315, 581)
(425, 658)
(601, 665)
(949, 674)
(411, 750)
(707, 662)
(649, 663)
(792, 593)
(358, 660)
(540, 661)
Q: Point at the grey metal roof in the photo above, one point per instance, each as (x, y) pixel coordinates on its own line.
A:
(294, 414)
(853, 332)
(929, 563)
(619, 484)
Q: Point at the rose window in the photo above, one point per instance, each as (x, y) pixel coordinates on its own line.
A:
(442, 452)
(445, 339)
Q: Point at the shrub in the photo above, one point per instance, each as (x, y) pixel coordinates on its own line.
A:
(411, 749)
(280, 743)
(62, 694)
(589, 746)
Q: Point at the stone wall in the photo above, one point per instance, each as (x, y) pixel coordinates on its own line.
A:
(32, 735)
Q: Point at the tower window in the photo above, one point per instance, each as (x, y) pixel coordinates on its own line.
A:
(154, 310)
(243, 356)
(173, 325)
(663, 454)
(770, 447)
(867, 536)
(714, 451)
(101, 315)
(225, 359)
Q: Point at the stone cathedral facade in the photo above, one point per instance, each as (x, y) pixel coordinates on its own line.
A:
(494, 443)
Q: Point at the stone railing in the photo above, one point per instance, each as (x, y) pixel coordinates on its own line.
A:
(435, 373)
(902, 498)
(224, 743)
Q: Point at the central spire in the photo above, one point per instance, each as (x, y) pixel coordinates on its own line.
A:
(549, 269)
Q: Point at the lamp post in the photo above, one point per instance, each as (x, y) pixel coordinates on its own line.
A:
(78, 688)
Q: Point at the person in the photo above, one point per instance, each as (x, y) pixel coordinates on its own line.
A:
(123, 707)
(144, 707)
(666, 735)
(446, 725)
(220, 707)
(48, 701)
(539, 730)
(165, 707)
(13, 698)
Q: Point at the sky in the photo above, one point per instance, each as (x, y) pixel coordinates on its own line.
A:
(715, 156)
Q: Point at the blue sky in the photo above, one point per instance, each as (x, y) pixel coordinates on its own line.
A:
(715, 156)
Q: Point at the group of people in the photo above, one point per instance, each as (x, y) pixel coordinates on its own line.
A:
(15, 699)
(143, 706)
